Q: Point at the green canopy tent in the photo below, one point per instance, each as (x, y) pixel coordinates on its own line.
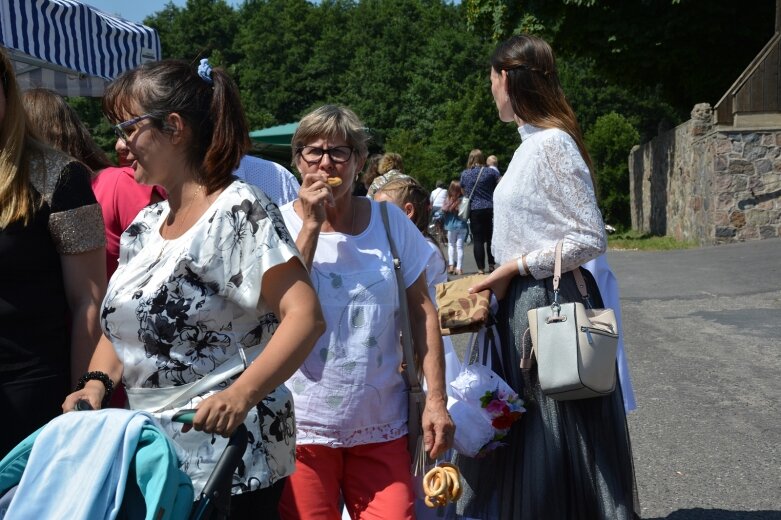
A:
(273, 143)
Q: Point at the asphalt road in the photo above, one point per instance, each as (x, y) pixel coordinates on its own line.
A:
(703, 337)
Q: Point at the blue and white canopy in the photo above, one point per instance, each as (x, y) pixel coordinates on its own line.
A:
(71, 47)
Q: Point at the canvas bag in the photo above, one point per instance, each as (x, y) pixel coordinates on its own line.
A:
(416, 396)
(465, 205)
(575, 346)
(460, 311)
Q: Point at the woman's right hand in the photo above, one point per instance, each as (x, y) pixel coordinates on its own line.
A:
(93, 392)
(314, 194)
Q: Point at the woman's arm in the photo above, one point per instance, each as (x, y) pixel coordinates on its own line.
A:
(565, 179)
(288, 291)
(84, 276)
(438, 427)
(103, 360)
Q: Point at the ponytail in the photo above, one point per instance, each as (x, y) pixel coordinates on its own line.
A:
(230, 134)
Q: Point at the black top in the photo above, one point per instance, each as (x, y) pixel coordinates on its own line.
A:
(34, 324)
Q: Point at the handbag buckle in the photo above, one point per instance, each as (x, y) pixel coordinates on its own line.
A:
(555, 309)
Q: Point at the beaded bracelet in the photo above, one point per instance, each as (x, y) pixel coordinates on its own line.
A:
(103, 378)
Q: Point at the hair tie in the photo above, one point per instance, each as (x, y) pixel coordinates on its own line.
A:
(205, 71)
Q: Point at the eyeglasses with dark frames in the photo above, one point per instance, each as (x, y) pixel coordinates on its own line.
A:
(313, 154)
(120, 130)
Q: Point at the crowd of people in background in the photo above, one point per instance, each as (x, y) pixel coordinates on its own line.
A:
(189, 254)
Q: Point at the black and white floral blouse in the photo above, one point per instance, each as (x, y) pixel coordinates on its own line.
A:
(176, 309)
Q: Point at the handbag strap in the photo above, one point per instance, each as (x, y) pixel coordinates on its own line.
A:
(579, 280)
(476, 181)
(160, 399)
(410, 369)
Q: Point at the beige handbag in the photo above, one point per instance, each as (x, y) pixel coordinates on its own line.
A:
(575, 346)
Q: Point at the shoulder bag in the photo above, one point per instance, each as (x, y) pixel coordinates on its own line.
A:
(575, 345)
(416, 396)
(464, 206)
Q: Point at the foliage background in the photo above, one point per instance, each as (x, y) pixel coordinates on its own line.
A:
(417, 73)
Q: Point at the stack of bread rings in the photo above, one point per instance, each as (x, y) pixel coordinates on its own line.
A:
(442, 484)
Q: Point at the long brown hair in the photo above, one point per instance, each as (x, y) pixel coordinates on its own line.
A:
(476, 158)
(16, 144)
(55, 122)
(211, 110)
(534, 88)
(454, 194)
(370, 169)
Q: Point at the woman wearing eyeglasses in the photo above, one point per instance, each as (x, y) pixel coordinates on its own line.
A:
(350, 398)
(206, 279)
(52, 271)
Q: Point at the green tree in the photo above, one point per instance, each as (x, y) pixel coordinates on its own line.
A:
(200, 29)
(275, 41)
(90, 113)
(686, 48)
(608, 141)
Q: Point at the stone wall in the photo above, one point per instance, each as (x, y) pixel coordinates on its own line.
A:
(708, 184)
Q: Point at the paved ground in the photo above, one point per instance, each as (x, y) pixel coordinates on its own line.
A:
(703, 336)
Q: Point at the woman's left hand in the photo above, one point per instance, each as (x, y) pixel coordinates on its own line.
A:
(438, 428)
(220, 413)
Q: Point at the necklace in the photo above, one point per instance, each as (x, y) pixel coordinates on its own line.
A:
(183, 218)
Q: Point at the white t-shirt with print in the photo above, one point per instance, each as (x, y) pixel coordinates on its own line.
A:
(349, 391)
(176, 309)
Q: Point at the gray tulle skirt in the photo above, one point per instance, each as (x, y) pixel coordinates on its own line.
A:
(564, 460)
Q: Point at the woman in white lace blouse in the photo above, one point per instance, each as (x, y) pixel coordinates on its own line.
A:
(564, 459)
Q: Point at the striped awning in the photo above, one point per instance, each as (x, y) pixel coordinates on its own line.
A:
(71, 47)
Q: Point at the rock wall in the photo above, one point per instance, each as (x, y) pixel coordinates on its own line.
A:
(708, 184)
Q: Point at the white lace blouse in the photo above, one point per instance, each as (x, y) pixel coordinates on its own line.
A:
(545, 196)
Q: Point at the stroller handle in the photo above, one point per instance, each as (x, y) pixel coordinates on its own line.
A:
(184, 416)
(217, 491)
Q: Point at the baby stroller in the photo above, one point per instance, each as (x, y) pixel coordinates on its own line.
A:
(160, 493)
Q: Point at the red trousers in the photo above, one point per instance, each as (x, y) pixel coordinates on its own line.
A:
(373, 480)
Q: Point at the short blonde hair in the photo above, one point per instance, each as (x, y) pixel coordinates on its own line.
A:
(332, 121)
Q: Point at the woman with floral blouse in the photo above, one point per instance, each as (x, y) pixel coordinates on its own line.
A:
(204, 279)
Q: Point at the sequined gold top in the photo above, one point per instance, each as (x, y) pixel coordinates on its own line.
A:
(75, 222)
